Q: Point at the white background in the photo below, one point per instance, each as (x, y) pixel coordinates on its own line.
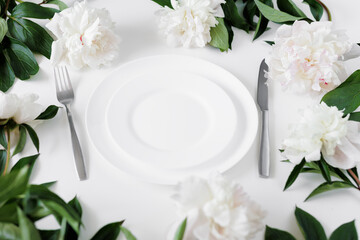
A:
(111, 195)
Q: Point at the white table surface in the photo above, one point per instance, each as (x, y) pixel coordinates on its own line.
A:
(111, 195)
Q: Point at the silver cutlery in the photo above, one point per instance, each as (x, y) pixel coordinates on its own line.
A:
(65, 95)
(262, 98)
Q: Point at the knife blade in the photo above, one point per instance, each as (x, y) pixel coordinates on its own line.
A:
(262, 99)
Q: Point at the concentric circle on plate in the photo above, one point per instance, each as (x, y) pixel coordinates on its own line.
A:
(171, 120)
(161, 124)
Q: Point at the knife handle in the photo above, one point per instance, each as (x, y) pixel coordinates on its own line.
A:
(264, 161)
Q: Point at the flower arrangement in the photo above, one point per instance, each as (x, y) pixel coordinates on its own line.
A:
(326, 139)
(309, 57)
(190, 23)
(23, 204)
(92, 42)
(17, 114)
(21, 37)
(216, 209)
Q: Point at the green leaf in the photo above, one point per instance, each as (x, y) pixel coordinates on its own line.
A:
(220, 36)
(9, 231)
(27, 228)
(69, 232)
(32, 34)
(3, 29)
(13, 184)
(75, 204)
(325, 187)
(26, 161)
(290, 7)
(270, 42)
(49, 113)
(32, 10)
(180, 232)
(3, 156)
(33, 136)
(309, 226)
(48, 184)
(3, 141)
(294, 174)
(310, 170)
(232, 15)
(355, 116)
(110, 231)
(346, 231)
(59, 3)
(62, 232)
(37, 210)
(2, 7)
(275, 15)
(164, 3)
(128, 235)
(54, 203)
(315, 8)
(347, 95)
(22, 60)
(249, 13)
(7, 76)
(22, 140)
(50, 234)
(8, 213)
(276, 234)
(261, 26)
(12, 4)
(230, 32)
(324, 168)
(339, 174)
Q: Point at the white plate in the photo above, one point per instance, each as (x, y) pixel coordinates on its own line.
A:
(165, 117)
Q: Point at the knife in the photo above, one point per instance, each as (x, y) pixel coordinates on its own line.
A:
(262, 98)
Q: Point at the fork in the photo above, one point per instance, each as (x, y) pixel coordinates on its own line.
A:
(65, 95)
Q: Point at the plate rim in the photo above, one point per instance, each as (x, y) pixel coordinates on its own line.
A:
(236, 157)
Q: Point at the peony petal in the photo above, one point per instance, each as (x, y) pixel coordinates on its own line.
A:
(353, 53)
(192, 193)
(9, 104)
(346, 155)
(57, 52)
(28, 110)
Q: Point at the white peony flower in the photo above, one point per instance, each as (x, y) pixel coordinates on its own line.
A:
(322, 129)
(347, 153)
(189, 23)
(8, 105)
(309, 57)
(21, 109)
(217, 209)
(27, 109)
(85, 37)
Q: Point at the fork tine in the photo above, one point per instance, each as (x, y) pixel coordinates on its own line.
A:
(62, 78)
(67, 78)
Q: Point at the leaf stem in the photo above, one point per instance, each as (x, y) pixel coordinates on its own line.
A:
(7, 151)
(6, 8)
(326, 9)
(354, 177)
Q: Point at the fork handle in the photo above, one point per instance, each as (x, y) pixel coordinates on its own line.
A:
(79, 159)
